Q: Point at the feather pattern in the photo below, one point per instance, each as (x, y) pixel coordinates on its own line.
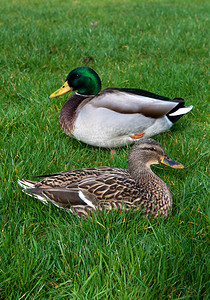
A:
(114, 116)
(84, 190)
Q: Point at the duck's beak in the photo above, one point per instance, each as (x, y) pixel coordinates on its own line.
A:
(166, 160)
(62, 90)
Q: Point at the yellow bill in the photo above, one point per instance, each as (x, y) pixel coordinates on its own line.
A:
(62, 90)
(166, 160)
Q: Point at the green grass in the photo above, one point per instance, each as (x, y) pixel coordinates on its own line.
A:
(45, 253)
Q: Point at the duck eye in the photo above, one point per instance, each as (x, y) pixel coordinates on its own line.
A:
(73, 77)
(149, 149)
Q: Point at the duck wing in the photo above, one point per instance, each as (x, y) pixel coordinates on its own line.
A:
(60, 196)
(63, 188)
(74, 176)
(110, 190)
(140, 93)
(132, 101)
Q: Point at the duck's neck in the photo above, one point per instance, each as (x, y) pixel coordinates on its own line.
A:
(69, 111)
(140, 170)
(155, 196)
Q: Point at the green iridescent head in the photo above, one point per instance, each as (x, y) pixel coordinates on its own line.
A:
(84, 80)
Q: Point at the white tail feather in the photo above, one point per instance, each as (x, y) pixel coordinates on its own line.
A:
(25, 184)
(40, 198)
(181, 111)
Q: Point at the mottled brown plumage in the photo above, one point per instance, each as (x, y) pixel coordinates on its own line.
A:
(85, 190)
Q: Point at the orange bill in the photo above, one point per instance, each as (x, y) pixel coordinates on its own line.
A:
(166, 160)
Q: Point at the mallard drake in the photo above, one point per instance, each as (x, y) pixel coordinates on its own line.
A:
(115, 116)
(135, 188)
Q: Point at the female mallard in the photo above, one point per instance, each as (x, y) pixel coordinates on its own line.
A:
(85, 190)
(114, 116)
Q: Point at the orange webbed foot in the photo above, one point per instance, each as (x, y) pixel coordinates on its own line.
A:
(112, 152)
(137, 135)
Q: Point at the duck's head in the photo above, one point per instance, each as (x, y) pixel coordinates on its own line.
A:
(148, 152)
(84, 80)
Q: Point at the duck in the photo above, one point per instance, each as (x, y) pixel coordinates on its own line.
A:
(113, 117)
(83, 191)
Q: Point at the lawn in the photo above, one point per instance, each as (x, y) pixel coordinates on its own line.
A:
(46, 253)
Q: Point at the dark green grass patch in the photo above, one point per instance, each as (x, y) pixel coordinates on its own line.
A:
(45, 253)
